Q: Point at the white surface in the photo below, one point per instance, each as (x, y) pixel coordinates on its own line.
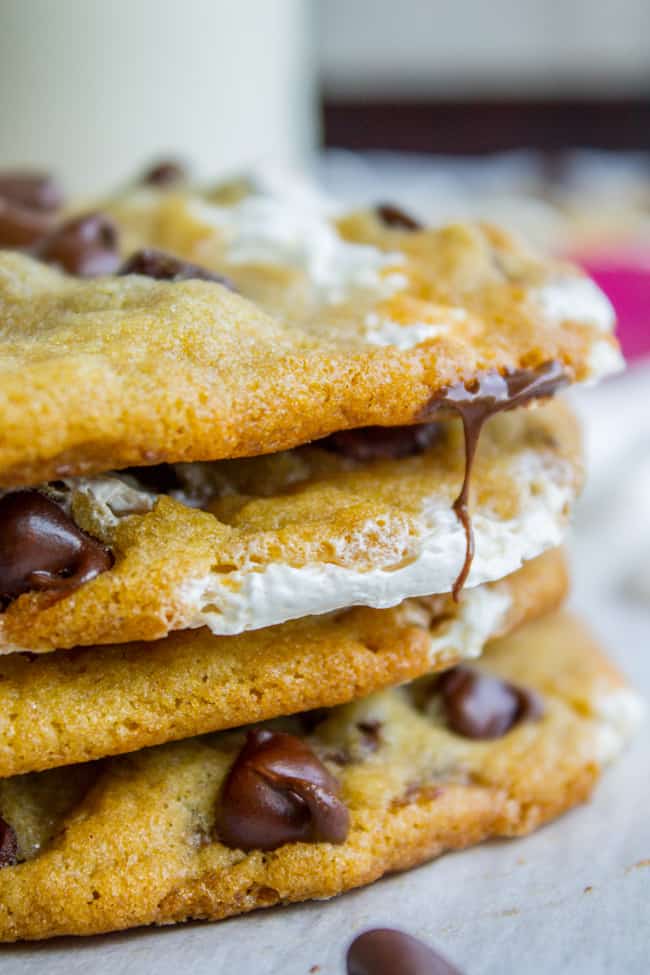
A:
(573, 898)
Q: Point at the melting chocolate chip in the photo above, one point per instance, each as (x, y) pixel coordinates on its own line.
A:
(165, 173)
(41, 548)
(475, 402)
(8, 845)
(384, 951)
(382, 443)
(20, 226)
(86, 245)
(480, 706)
(278, 792)
(33, 190)
(393, 216)
(165, 267)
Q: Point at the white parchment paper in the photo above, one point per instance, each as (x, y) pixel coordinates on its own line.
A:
(573, 898)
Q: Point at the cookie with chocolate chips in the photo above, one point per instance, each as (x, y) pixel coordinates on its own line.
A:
(220, 825)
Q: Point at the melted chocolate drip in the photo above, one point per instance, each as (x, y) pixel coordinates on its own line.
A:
(475, 402)
(166, 267)
(480, 706)
(395, 217)
(8, 845)
(278, 792)
(385, 951)
(41, 548)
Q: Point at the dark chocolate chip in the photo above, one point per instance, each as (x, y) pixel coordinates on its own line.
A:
(20, 226)
(481, 706)
(33, 190)
(385, 951)
(41, 548)
(278, 792)
(382, 443)
(165, 267)
(165, 173)
(86, 245)
(8, 845)
(393, 216)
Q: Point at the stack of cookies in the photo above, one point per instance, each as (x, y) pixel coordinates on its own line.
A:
(282, 492)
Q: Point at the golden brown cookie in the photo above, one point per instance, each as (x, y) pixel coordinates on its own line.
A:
(296, 534)
(348, 327)
(135, 840)
(102, 701)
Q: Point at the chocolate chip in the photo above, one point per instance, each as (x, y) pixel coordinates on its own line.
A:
(8, 845)
(86, 245)
(165, 173)
(385, 951)
(41, 548)
(33, 190)
(165, 267)
(20, 226)
(480, 706)
(393, 216)
(278, 792)
(382, 443)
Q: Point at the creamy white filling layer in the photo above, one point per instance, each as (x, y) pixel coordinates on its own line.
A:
(253, 597)
(481, 613)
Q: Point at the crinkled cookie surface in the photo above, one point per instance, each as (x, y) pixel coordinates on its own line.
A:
(347, 325)
(134, 840)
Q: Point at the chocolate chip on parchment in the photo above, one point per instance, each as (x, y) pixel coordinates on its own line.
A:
(480, 706)
(384, 951)
(166, 267)
(42, 549)
(397, 218)
(86, 245)
(8, 845)
(278, 792)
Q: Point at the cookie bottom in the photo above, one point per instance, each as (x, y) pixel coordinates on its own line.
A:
(132, 841)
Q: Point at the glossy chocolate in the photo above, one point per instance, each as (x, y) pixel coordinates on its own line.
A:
(475, 402)
(397, 218)
(20, 226)
(165, 267)
(8, 845)
(42, 549)
(481, 706)
(278, 792)
(31, 189)
(86, 245)
(382, 443)
(167, 172)
(384, 951)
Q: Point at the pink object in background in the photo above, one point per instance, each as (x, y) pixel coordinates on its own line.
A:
(624, 276)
